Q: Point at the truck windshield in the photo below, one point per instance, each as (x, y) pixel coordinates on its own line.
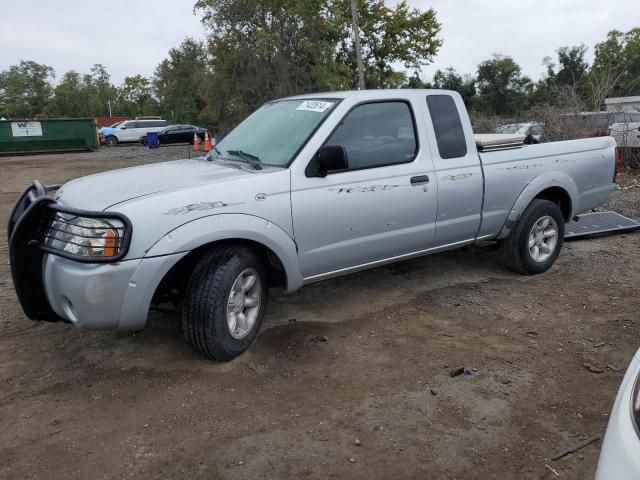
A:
(274, 133)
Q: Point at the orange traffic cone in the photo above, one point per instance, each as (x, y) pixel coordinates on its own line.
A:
(196, 142)
(207, 141)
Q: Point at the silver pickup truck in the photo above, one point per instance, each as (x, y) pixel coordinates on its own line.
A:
(304, 189)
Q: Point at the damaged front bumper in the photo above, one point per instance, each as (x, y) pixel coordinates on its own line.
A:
(54, 285)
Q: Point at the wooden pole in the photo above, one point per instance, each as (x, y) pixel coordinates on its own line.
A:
(356, 34)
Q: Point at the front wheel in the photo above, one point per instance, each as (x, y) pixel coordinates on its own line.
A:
(536, 240)
(111, 141)
(225, 302)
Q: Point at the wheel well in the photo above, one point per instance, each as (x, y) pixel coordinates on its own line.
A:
(174, 283)
(560, 197)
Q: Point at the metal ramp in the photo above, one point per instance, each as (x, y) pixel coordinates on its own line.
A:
(599, 223)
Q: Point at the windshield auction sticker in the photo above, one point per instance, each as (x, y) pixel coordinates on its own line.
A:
(314, 106)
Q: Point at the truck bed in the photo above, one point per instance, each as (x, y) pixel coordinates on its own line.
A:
(583, 167)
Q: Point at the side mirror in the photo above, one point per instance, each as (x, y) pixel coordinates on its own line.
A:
(328, 158)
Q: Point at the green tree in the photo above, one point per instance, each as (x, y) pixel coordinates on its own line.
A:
(401, 34)
(262, 49)
(178, 82)
(101, 91)
(502, 89)
(82, 95)
(415, 81)
(616, 65)
(25, 89)
(135, 97)
(572, 70)
(449, 79)
(69, 97)
(544, 90)
(572, 65)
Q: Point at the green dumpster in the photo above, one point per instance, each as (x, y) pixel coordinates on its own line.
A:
(48, 135)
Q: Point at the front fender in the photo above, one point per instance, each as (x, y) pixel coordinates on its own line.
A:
(532, 189)
(204, 230)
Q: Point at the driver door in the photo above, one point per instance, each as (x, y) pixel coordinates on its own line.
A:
(381, 207)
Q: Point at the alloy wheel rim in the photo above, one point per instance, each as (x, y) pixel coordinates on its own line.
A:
(543, 239)
(243, 303)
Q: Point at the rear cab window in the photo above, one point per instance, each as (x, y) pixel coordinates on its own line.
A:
(445, 117)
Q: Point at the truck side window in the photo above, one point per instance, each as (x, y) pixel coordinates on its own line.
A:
(377, 134)
(447, 125)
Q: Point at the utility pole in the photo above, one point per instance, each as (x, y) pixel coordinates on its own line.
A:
(356, 34)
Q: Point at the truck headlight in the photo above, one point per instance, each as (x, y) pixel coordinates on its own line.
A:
(635, 404)
(85, 237)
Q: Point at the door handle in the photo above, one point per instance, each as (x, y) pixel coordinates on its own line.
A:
(420, 180)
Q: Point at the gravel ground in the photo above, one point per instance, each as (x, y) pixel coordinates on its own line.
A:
(349, 378)
(627, 199)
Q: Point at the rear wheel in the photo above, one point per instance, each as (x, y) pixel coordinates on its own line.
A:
(225, 302)
(536, 240)
(111, 141)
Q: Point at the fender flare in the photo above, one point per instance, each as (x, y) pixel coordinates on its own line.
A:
(533, 189)
(204, 230)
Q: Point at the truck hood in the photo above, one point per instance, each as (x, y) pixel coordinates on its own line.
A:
(105, 190)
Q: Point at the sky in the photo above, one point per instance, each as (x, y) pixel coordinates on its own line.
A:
(133, 36)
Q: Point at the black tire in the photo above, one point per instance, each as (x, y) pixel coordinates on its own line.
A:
(204, 314)
(111, 141)
(516, 247)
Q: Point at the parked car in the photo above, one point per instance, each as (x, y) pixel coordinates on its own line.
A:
(177, 134)
(620, 455)
(626, 129)
(306, 188)
(131, 131)
(623, 117)
(104, 131)
(526, 129)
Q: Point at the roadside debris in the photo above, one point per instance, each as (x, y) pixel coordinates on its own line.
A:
(552, 470)
(318, 339)
(457, 371)
(433, 392)
(575, 448)
(251, 366)
(614, 368)
(357, 443)
(593, 368)
(352, 460)
(598, 345)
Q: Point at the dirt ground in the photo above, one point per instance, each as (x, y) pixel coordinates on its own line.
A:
(349, 378)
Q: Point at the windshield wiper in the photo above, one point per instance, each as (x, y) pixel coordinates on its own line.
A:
(249, 157)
